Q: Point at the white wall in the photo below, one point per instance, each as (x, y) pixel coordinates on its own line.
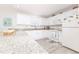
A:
(29, 19)
(7, 11)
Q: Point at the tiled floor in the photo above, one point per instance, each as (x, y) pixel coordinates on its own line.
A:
(54, 47)
(20, 43)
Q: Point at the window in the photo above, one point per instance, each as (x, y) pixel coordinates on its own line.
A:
(7, 21)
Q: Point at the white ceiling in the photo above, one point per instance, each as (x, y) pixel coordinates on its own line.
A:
(42, 9)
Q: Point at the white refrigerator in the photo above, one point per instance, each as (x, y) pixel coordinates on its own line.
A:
(70, 30)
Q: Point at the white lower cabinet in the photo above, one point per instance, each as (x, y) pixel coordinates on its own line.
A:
(70, 38)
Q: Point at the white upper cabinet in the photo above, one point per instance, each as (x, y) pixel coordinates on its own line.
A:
(71, 18)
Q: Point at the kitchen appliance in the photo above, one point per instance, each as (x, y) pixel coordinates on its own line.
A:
(70, 29)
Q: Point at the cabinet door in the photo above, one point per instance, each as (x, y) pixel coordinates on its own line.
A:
(70, 38)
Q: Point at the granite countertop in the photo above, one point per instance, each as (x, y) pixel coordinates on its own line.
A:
(41, 27)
